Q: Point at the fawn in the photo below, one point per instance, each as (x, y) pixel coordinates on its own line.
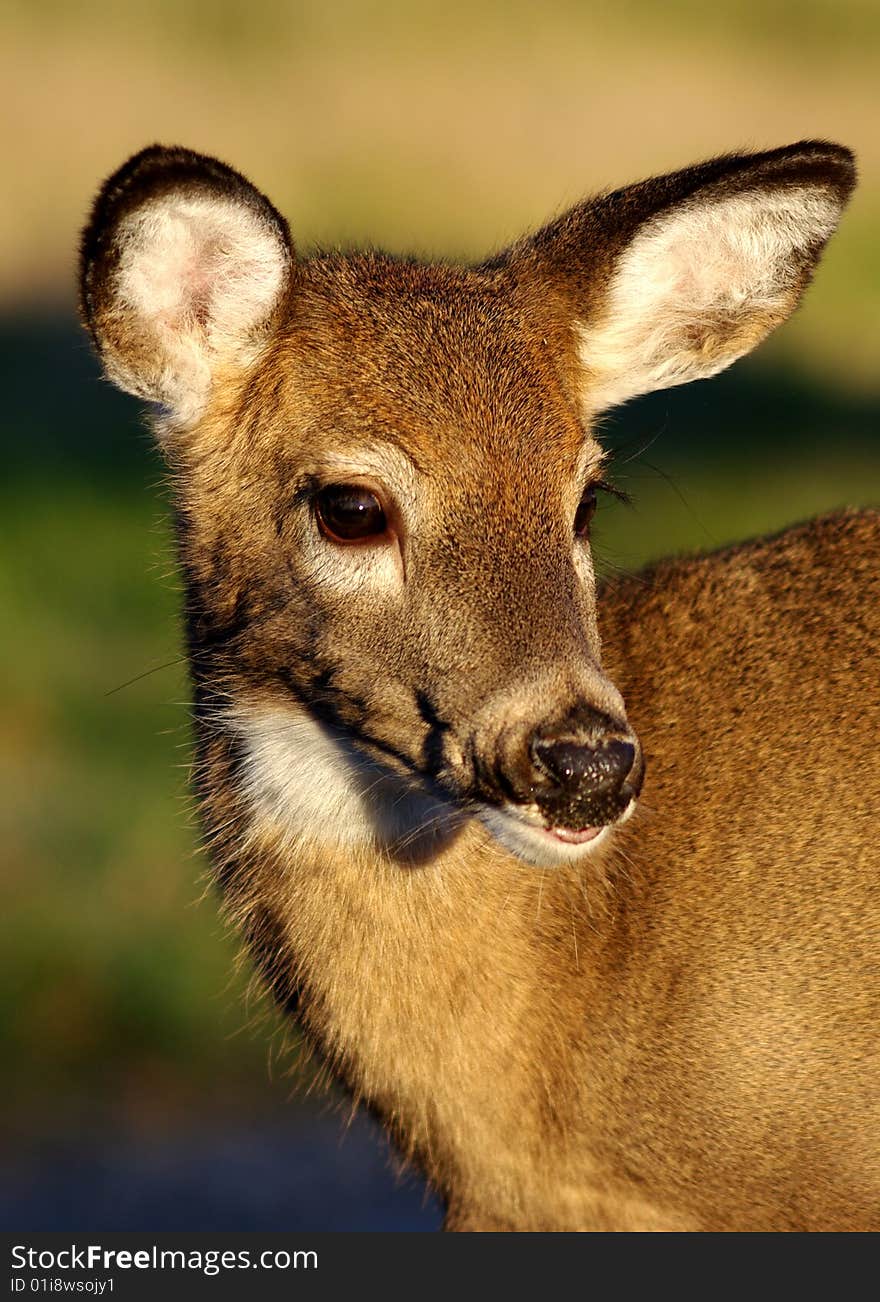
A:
(574, 1008)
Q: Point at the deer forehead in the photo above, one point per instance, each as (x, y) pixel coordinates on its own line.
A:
(439, 387)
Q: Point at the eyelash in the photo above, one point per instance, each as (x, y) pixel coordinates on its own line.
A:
(603, 486)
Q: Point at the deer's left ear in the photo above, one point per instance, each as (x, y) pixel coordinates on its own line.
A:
(674, 278)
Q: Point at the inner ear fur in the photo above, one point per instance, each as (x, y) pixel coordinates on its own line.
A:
(184, 268)
(673, 278)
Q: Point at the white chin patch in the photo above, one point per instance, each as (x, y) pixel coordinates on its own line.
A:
(309, 779)
(535, 845)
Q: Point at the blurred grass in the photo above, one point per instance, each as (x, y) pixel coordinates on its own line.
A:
(801, 29)
(111, 976)
(436, 129)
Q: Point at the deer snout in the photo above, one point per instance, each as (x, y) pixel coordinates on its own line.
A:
(572, 765)
(553, 791)
(584, 778)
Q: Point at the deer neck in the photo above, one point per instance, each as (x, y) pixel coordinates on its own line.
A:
(443, 987)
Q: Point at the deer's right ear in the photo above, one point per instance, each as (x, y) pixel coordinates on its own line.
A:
(184, 270)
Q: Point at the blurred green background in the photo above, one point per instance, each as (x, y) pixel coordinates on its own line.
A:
(423, 128)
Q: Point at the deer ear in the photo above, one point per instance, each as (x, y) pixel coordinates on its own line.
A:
(184, 269)
(674, 278)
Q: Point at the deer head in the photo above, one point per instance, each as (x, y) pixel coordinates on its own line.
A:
(385, 474)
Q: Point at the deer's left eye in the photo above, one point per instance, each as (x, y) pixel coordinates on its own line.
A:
(585, 512)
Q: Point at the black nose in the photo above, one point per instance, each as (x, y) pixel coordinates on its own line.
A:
(573, 766)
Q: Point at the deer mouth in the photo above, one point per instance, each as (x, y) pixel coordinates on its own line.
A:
(572, 836)
(527, 833)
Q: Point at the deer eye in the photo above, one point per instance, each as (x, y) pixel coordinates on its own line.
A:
(349, 513)
(585, 512)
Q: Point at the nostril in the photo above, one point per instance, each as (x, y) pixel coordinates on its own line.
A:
(572, 765)
(563, 761)
(620, 757)
(559, 759)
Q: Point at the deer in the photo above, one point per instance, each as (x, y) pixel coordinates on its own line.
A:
(573, 884)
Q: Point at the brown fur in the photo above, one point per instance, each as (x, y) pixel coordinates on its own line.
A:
(677, 1031)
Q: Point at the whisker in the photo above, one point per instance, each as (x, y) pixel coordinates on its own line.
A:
(168, 664)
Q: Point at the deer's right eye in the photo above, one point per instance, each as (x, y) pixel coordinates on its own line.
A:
(348, 513)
